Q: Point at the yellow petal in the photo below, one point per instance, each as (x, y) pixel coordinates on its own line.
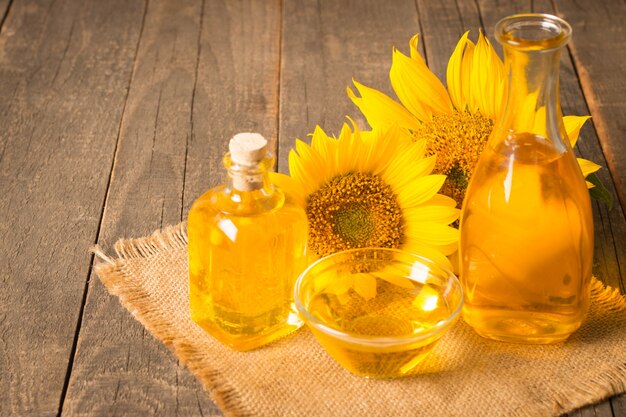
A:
(365, 285)
(422, 190)
(456, 71)
(382, 145)
(466, 78)
(380, 110)
(418, 89)
(428, 213)
(573, 124)
(442, 200)
(314, 162)
(428, 252)
(293, 192)
(433, 234)
(587, 167)
(395, 277)
(486, 75)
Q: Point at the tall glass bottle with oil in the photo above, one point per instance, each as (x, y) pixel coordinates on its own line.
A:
(526, 225)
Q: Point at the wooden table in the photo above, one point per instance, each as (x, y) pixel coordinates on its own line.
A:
(115, 114)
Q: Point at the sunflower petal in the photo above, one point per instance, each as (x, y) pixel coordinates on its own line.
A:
(418, 89)
(486, 76)
(301, 170)
(380, 110)
(428, 252)
(587, 167)
(573, 124)
(433, 234)
(365, 285)
(422, 190)
(428, 213)
(293, 193)
(315, 163)
(456, 70)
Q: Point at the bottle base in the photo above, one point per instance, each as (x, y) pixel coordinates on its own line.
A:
(522, 327)
(247, 341)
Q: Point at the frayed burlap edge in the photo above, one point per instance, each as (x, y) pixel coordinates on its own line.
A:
(114, 276)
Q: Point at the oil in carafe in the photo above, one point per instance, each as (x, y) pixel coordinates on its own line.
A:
(526, 242)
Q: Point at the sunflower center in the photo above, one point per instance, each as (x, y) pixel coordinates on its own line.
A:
(458, 140)
(354, 223)
(354, 210)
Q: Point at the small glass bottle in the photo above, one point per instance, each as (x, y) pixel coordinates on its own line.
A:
(247, 246)
(526, 224)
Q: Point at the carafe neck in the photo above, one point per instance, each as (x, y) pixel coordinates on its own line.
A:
(532, 46)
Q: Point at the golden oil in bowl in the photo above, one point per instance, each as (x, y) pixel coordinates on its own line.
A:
(378, 312)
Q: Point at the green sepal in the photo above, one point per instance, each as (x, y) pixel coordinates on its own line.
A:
(599, 191)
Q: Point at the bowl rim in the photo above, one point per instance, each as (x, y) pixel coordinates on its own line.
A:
(438, 328)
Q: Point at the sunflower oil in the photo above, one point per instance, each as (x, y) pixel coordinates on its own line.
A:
(396, 312)
(247, 246)
(526, 224)
(526, 243)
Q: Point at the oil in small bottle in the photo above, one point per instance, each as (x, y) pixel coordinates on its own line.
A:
(247, 246)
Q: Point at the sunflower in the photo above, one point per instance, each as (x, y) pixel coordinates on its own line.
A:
(370, 189)
(456, 122)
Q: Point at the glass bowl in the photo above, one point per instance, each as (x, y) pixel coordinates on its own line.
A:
(378, 312)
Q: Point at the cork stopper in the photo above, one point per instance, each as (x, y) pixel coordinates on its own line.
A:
(247, 148)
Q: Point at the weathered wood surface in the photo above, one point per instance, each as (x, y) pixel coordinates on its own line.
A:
(325, 44)
(197, 62)
(4, 8)
(119, 369)
(115, 117)
(64, 71)
(597, 51)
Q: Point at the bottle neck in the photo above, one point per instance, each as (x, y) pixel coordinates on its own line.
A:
(532, 105)
(532, 49)
(249, 178)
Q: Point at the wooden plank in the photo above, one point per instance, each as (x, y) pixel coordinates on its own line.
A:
(594, 410)
(237, 87)
(599, 55)
(325, 44)
(606, 108)
(203, 72)
(443, 24)
(4, 10)
(64, 69)
(618, 405)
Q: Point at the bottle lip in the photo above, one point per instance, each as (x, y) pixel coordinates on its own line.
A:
(533, 32)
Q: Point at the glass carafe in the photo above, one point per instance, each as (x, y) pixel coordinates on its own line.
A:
(526, 225)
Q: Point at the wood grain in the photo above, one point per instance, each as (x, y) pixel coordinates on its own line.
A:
(595, 410)
(64, 69)
(325, 44)
(597, 48)
(443, 24)
(618, 405)
(202, 73)
(4, 10)
(119, 368)
(115, 116)
(237, 86)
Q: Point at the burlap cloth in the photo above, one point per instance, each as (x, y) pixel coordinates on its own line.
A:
(465, 376)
